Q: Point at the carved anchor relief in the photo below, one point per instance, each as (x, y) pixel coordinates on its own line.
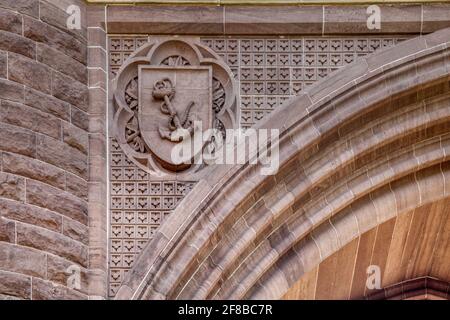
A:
(179, 127)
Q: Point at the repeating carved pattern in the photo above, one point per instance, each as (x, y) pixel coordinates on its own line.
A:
(269, 71)
(138, 207)
(272, 70)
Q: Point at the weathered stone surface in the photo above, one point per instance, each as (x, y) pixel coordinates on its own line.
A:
(64, 42)
(61, 62)
(11, 186)
(52, 242)
(30, 214)
(14, 43)
(29, 73)
(59, 270)
(61, 155)
(10, 21)
(75, 137)
(57, 17)
(47, 103)
(11, 90)
(17, 140)
(45, 290)
(30, 118)
(80, 118)
(22, 260)
(13, 284)
(76, 230)
(29, 7)
(31, 168)
(54, 199)
(71, 91)
(3, 64)
(7, 230)
(77, 186)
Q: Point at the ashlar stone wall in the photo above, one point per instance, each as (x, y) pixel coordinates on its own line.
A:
(43, 152)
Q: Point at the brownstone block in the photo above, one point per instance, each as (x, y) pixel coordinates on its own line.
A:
(17, 140)
(12, 187)
(3, 64)
(41, 32)
(61, 155)
(61, 62)
(29, 118)
(97, 78)
(45, 290)
(69, 90)
(54, 199)
(76, 231)
(76, 186)
(166, 19)
(22, 260)
(13, 284)
(96, 37)
(31, 168)
(7, 230)
(273, 20)
(57, 17)
(80, 118)
(435, 17)
(11, 91)
(14, 43)
(97, 101)
(52, 242)
(75, 137)
(29, 73)
(47, 104)
(29, 7)
(29, 214)
(10, 21)
(58, 270)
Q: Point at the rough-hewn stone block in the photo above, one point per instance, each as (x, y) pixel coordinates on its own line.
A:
(45, 290)
(7, 230)
(16, 285)
(61, 155)
(34, 169)
(30, 214)
(29, 7)
(76, 230)
(11, 90)
(22, 260)
(17, 140)
(80, 118)
(76, 186)
(47, 104)
(54, 199)
(58, 270)
(3, 64)
(75, 137)
(11, 186)
(14, 43)
(41, 32)
(10, 21)
(29, 73)
(52, 242)
(71, 91)
(61, 62)
(30, 118)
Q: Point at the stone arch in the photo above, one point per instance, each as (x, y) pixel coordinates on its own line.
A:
(358, 148)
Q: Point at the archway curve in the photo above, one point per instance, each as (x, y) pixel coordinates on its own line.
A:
(229, 232)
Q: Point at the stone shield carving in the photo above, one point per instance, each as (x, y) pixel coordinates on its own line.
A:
(161, 92)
